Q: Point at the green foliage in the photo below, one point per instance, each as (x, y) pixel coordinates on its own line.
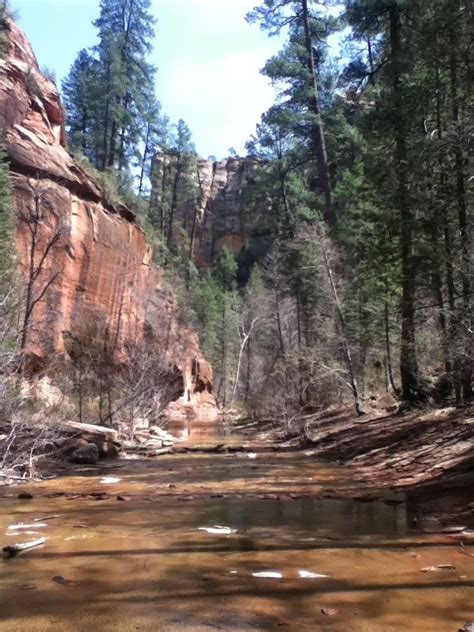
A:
(32, 83)
(107, 179)
(9, 295)
(225, 270)
(109, 92)
(7, 225)
(384, 143)
(207, 300)
(175, 188)
(4, 34)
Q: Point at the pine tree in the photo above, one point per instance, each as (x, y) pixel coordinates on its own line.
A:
(108, 91)
(80, 92)
(174, 194)
(298, 65)
(125, 31)
(4, 38)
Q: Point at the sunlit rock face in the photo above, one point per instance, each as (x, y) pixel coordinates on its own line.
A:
(97, 275)
(214, 212)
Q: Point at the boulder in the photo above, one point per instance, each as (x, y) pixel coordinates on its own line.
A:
(86, 455)
(71, 444)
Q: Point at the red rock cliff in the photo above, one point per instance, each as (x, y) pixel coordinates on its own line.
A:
(97, 272)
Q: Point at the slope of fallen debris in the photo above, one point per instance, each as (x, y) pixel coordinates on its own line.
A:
(384, 449)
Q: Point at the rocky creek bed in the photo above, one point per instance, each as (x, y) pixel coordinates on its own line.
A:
(254, 531)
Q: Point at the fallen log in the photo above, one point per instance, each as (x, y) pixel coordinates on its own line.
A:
(89, 429)
(46, 518)
(14, 549)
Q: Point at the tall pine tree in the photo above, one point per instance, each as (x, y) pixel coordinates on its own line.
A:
(107, 92)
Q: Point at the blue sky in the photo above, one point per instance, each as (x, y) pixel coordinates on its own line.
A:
(208, 60)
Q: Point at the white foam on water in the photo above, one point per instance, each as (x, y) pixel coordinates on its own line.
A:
(310, 575)
(218, 530)
(268, 575)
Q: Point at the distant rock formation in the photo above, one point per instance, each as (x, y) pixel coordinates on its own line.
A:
(220, 216)
(97, 267)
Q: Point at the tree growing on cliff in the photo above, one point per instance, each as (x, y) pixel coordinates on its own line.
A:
(80, 92)
(108, 89)
(7, 225)
(9, 290)
(4, 14)
(174, 193)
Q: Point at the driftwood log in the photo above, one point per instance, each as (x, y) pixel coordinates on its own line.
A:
(106, 439)
(90, 429)
(14, 549)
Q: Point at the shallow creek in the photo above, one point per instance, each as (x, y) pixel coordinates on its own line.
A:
(191, 541)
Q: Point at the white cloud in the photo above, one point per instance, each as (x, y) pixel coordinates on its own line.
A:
(209, 60)
(222, 100)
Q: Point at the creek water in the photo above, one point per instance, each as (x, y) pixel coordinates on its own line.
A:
(224, 542)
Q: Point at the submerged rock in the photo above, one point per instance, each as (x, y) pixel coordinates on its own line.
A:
(85, 455)
(25, 496)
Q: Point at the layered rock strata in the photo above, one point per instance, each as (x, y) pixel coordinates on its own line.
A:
(90, 262)
(219, 218)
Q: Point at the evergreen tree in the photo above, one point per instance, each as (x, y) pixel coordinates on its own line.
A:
(125, 31)
(4, 40)
(298, 65)
(108, 91)
(81, 96)
(173, 201)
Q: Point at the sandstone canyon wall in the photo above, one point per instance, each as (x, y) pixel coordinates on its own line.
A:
(97, 274)
(218, 218)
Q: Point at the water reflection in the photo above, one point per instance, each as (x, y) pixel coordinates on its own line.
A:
(158, 563)
(196, 431)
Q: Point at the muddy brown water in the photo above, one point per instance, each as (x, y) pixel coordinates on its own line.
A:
(147, 562)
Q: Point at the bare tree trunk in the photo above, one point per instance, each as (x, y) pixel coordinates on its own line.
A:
(144, 158)
(163, 195)
(244, 341)
(192, 240)
(106, 122)
(345, 342)
(465, 361)
(249, 372)
(289, 228)
(388, 352)
(113, 142)
(441, 222)
(123, 133)
(37, 261)
(301, 366)
(174, 200)
(319, 139)
(280, 331)
(223, 384)
(243, 344)
(408, 361)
